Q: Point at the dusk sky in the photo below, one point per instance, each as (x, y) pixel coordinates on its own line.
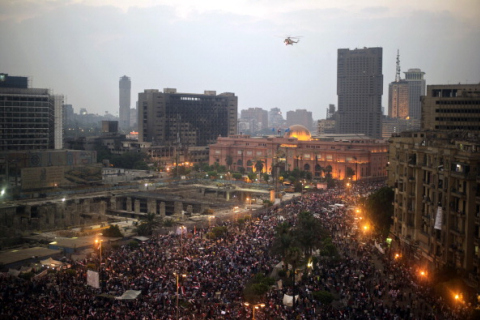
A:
(80, 48)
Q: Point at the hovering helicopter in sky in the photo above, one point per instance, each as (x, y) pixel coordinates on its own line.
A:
(289, 41)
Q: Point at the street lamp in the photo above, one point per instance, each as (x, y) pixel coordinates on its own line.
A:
(183, 230)
(177, 275)
(99, 243)
(209, 220)
(255, 306)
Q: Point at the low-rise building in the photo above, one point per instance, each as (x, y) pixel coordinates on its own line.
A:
(298, 149)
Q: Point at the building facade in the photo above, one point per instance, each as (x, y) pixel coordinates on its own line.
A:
(416, 89)
(30, 116)
(275, 118)
(451, 107)
(125, 86)
(257, 116)
(359, 90)
(436, 178)
(187, 119)
(398, 99)
(301, 117)
(297, 149)
(326, 126)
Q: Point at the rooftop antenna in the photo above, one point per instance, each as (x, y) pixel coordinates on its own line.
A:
(397, 74)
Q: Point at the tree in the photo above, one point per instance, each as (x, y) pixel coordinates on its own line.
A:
(350, 172)
(212, 174)
(380, 209)
(328, 171)
(149, 224)
(237, 176)
(128, 159)
(259, 165)
(113, 231)
(252, 176)
(266, 177)
(229, 161)
(141, 165)
(283, 239)
(308, 232)
(257, 287)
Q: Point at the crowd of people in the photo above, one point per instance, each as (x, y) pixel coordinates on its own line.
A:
(193, 277)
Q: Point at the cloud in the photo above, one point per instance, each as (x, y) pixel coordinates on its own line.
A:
(375, 10)
(276, 11)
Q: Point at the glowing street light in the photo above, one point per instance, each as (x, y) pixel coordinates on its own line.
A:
(99, 244)
(177, 275)
(255, 307)
(209, 220)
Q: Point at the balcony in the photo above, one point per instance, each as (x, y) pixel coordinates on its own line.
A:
(457, 232)
(476, 241)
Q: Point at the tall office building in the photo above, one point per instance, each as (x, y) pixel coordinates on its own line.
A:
(58, 122)
(31, 118)
(301, 117)
(257, 116)
(451, 107)
(416, 89)
(125, 86)
(398, 99)
(187, 119)
(398, 96)
(275, 118)
(359, 90)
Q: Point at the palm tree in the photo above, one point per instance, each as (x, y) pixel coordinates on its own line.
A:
(328, 170)
(229, 161)
(293, 257)
(147, 226)
(309, 233)
(283, 239)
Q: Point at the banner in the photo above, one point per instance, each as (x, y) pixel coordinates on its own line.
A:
(93, 279)
(438, 219)
(288, 300)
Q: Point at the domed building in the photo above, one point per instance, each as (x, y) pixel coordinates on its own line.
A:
(299, 132)
(341, 156)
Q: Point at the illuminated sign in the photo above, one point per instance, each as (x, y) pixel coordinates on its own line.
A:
(288, 146)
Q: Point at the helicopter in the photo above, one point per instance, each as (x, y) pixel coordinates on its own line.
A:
(289, 41)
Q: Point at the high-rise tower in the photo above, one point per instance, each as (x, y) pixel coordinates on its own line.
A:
(416, 89)
(359, 90)
(31, 117)
(398, 96)
(169, 118)
(125, 86)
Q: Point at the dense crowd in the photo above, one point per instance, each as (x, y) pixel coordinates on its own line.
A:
(366, 284)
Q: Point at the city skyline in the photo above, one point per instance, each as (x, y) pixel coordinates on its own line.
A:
(81, 48)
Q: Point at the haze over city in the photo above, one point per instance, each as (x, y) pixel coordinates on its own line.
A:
(81, 48)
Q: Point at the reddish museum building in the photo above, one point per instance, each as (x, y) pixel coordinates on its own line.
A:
(298, 149)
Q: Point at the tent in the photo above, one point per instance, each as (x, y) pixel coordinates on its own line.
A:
(129, 295)
(13, 272)
(51, 263)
